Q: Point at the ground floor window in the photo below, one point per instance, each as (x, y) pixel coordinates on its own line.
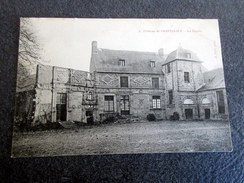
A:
(156, 102)
(170, 92)
(125, 105)
(221, 102)
(61, 106)
(109, 103)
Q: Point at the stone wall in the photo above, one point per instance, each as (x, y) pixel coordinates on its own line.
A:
(43, 112)
(213, 105)
(76, 84)
(107, 80)
(140, 101)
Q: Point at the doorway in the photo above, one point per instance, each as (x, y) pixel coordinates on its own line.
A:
(207, 113)
(89, 117)
(125, 105)
(189, 113)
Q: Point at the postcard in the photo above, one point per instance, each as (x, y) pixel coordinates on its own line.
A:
(119, 86)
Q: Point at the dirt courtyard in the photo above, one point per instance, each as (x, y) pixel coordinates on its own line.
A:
(141, 137)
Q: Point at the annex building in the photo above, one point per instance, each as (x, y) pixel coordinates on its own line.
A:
(126, 83)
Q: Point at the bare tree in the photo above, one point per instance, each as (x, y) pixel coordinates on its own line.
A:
(29, 55)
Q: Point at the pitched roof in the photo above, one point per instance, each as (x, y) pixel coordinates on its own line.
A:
(135, 61)
(181, 53)
(213, 79)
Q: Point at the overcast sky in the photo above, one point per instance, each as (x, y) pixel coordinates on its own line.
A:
(67, 42)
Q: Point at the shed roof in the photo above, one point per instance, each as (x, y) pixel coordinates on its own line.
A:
(213, 79)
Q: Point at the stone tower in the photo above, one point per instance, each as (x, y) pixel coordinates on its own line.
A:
(183, 77)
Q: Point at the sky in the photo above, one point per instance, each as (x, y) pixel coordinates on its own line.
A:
(66, 42)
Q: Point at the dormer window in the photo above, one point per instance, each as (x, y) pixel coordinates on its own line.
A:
(188, 55)
(88, 76)
(152, 64)
(122, 62)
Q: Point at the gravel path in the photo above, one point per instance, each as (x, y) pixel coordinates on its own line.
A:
(146, 137)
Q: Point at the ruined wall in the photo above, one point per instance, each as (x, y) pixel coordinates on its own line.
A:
(74, 83)
(43, 111)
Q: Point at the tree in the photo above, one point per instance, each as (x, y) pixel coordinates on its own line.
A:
(29, 56)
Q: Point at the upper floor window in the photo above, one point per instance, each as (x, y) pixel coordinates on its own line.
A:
(122, 62)
(188, 55)
(152, 63)
(168, 68)
(186, 77)
(170, 97)
(155, 82)
(124, 81)
(156, 102)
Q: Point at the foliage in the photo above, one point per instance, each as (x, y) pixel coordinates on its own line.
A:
(151, 117)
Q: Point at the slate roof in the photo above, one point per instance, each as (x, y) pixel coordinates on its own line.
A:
(135, 61)
(181, 53)
(213, 79)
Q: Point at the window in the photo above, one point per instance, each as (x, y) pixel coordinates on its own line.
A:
(89, 96)
(205, 101)
(188, 101)
(221, 102)
(152, 63)
(122, 62)
(156, 102)
(61, 98)
(125, 105)
(155, 82)
(188, 55)
(88, 76)
(168, 68)
(186, 77)
(170, 97)
(124, 81)
(61, 108)
(109, 103)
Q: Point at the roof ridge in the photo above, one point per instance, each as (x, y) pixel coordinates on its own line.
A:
(145, 52)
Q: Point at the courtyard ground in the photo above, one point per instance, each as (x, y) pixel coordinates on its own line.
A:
(140, 137)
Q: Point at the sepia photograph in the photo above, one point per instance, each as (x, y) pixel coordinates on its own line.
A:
(119, 86)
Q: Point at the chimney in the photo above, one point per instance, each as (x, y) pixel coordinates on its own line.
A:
(161, 52)
(94, 47)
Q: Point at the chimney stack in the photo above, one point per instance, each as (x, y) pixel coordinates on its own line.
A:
(94, 47)
(161, 52)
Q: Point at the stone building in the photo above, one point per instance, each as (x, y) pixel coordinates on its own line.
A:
(191, 92)
(126, 83)
(58, 94)
(129, 82)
